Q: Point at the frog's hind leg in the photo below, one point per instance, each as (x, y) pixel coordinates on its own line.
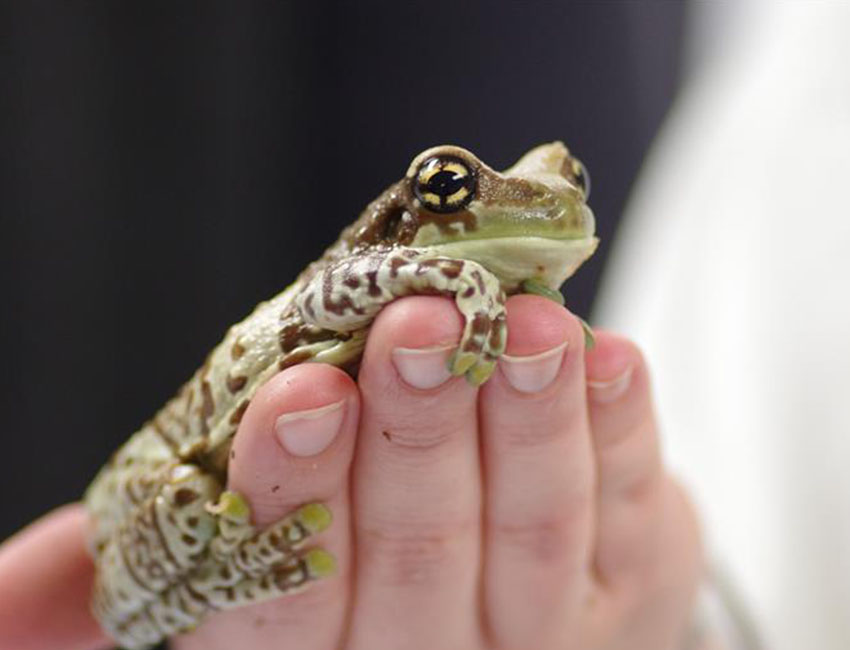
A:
(261, 567)
(268, 564)
(158, 541)
(190, 548)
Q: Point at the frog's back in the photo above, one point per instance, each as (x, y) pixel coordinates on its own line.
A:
(198, 424)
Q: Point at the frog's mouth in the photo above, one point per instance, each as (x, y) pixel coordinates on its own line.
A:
(514, 259)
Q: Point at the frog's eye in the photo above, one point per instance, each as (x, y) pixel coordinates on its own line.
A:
(444, 184)
(582, 178)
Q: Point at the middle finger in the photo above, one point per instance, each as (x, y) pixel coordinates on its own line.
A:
(416, 486)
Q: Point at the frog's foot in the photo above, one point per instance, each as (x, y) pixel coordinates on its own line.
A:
(278, 543)
(169, 562)
(233, 515)
(337, 299)
(485, 332)
(279, 579)
(182, 607)
(538, 287)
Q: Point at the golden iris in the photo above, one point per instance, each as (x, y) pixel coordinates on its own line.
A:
(445, 184)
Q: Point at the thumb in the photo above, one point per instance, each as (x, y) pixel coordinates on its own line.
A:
(46, 578)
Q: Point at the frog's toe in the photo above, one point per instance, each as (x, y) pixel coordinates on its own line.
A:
(484, 340)
(498, 339)
(589, 336)
(314, 517)
(319, 563)
(292, 575)
(232, 506)
(480, 372)
(461, 362)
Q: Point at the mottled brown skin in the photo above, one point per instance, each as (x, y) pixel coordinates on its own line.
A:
(170, 545)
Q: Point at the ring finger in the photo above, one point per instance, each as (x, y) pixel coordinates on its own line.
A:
(539, 480)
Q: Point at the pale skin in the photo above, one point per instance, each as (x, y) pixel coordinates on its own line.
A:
(466, 518)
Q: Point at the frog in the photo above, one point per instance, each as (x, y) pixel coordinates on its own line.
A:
(170, 543)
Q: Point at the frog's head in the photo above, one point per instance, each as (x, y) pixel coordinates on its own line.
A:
(528, 222)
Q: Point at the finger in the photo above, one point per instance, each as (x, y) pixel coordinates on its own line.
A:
(416, 485)
(46, 578)
(628, 457)
(539, 469)
(294, 446)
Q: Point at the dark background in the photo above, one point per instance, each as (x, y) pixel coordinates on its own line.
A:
(165, 168)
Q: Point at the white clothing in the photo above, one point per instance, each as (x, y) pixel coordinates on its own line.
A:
(732, 271)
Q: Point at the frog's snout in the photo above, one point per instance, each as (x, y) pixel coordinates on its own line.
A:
(563, 185)
(552, 167)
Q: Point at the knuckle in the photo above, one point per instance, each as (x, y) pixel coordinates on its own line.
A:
(529, 436)
(632, 465)
(634, 421)
(549, 540)
(408, 558)
(414, 440)
(542, 423)
(411, 433)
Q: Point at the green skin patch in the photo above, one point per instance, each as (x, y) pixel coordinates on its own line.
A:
(589, 338)
(320, 563)
(232, 506)
(315, 517)
(536, 287)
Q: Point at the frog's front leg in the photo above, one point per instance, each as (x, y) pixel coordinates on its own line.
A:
(347, 295)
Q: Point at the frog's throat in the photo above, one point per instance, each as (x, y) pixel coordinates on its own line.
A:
(515, 259)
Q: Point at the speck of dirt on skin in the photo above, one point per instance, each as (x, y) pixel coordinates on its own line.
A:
(232, 454)
(387, 435)
(275, 488)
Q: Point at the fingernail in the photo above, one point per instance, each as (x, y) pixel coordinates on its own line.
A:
(423, 367)
(604, 391)
(307, 433)
(533, 373)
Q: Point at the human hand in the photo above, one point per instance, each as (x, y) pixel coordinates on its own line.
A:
(492, 518)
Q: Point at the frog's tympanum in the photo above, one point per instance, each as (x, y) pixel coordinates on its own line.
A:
(170, 544)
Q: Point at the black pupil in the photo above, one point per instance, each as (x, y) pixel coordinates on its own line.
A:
(445, 183)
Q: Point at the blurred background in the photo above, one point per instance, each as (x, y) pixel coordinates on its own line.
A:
(165, 167)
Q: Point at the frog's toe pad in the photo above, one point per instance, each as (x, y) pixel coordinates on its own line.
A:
(319, 563)
(315, 517)
(480, 372)
(461, 362)
(483, 341)
(232, 506)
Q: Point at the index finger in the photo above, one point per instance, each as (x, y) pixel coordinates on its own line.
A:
(46, 578)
